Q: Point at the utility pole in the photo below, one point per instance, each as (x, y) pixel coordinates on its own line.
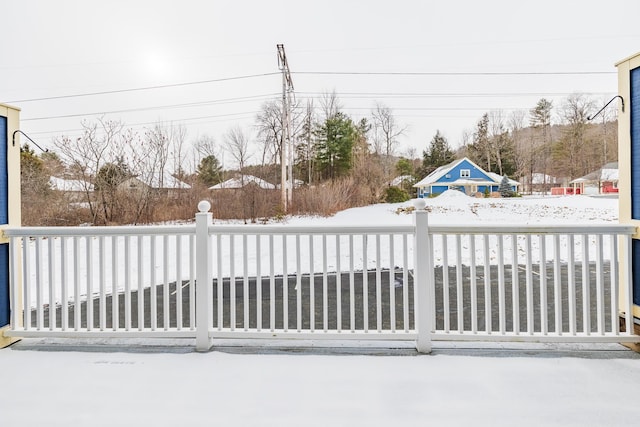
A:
(286, 149)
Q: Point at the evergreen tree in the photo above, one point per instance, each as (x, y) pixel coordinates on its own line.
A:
(480, 150)
(438, 154)
(505, 187)
(209, 171)
(334, 145)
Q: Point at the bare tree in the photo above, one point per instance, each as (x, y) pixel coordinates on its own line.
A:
(101, 143)
(329, 105)
(573, 152)
(237, 145)
(386, 134)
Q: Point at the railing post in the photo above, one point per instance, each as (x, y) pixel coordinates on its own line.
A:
(203, 276)
(421, 273)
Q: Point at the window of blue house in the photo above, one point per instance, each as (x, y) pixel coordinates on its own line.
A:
(465, 173)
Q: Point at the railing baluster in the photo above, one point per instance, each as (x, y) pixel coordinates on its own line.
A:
(544, 315)
(272, 287)
(459, 284)
(325, 284)
(405, 283)
(232, 280)
(338, 285)
(473, 284)
(127, 283)
(586, 288)
(529, 285)
(64, 278)
(515, 285)
(571, 278)
(599, 286)
(165, 287)
(141, 313)
(192, 286)
(89, 303)
(298, 285)
(488, 315)
(219, 267)
(52, 288)
(557, 284)
(39, 285)
(102, 279)
(352, 310)
(178, 261)
(26, 277)
(312, 291)
(392, 284)
(258, 283)
(614, 285)
(501, 286)
(76, 284)
(153, 291)
(378, 287)
(245, 282)
(628, 300)
(365, 282)
(445, 285)
(285, 285)
(115, 312)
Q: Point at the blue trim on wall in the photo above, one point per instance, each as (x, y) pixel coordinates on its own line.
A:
(4, 174)
(4, 285)
(634, 112)
(635, 270)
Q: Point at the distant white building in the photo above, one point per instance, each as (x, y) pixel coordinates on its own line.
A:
(75, 190)
(162, 183)
(240, 182)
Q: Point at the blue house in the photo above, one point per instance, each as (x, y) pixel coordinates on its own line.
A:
(463, 175)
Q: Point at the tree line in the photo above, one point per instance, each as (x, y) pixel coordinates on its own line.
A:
(338, 162)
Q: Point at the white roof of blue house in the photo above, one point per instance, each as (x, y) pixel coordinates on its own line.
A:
(434, 177)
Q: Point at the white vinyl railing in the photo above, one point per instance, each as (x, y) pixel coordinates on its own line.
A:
(417, 282)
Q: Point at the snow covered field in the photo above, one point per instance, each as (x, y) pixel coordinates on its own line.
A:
(525, 386)
(454, 207)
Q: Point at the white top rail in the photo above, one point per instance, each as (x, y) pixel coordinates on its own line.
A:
(532, 229)
(136, 230)
(325, 229)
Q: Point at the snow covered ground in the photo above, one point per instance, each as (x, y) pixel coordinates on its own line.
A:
(475, 385)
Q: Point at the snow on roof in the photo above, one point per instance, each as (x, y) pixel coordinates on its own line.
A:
(608, 172)
(398, 180)
(237, 182)
(168, 181)
(498, 178)
(62, 184)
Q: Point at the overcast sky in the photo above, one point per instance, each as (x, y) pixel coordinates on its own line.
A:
(434, 63)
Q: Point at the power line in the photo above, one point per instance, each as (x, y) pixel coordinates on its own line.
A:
(163, 107)
(449, 73)
(446, 95)
(108, 92)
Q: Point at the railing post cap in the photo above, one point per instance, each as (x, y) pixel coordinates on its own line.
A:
(204, 206)
(419, 204)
